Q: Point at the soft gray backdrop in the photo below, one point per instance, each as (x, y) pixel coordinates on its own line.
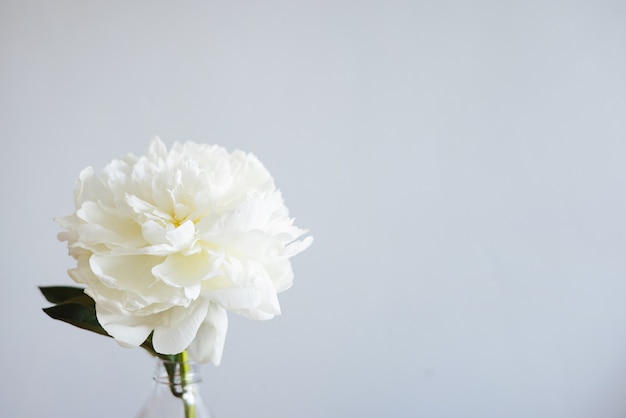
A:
(461, 165)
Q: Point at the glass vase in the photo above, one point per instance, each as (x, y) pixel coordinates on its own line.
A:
(176, 392)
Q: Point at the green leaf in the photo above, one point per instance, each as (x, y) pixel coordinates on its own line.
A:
(78, 314)
(60, 294)
(147, 345)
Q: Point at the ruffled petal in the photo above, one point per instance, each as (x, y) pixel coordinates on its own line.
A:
(268, 306)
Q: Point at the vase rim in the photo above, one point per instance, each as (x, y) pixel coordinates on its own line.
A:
(172, 371)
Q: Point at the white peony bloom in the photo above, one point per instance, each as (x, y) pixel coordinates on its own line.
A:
(168, 242)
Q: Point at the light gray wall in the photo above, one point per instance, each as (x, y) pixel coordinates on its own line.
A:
(461, 165)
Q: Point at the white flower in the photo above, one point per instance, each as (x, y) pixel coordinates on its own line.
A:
(167, 242)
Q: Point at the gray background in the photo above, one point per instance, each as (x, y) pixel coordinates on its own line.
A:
(460, 164)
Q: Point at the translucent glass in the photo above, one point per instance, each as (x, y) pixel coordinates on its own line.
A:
(176, 393)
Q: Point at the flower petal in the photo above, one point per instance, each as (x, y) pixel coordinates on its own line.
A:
(121, 271)
(268, 306)
(208, 345)
(235, 298)
(128, 330)
(182, 236)
(185, 270)
(178, 327)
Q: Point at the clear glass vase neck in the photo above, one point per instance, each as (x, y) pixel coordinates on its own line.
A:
(176, 392)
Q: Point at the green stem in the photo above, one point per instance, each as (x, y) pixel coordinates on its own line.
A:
(187, 397)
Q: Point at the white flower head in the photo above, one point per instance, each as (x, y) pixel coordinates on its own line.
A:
(168, 242)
